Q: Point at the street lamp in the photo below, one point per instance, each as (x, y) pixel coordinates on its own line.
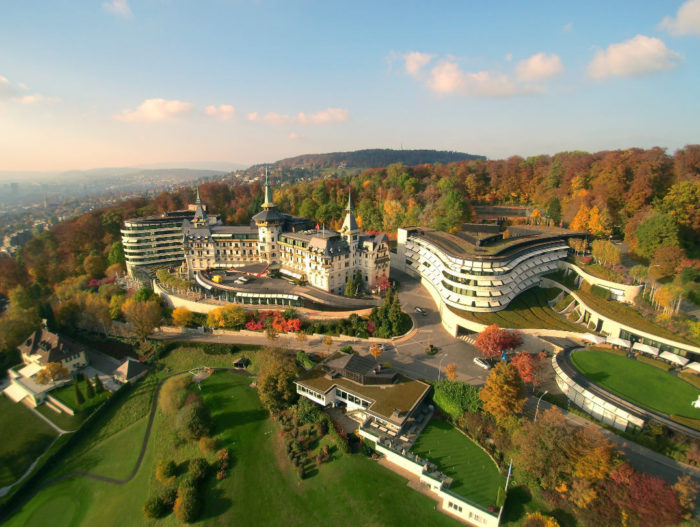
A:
(440, 367)
(538, 404)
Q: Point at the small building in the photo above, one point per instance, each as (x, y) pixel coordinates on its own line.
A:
(43, 346)
(130, 370)
(370, 391)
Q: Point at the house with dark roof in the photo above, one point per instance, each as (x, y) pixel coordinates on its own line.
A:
(130, 370)
(43, 346)
(373, 393)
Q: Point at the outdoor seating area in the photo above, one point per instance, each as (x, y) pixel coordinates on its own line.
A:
(407, 435)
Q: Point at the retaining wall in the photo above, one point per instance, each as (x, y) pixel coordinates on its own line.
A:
(59, 404)
(629, 292)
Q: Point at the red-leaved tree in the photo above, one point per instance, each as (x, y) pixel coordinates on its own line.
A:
(530, 366)
(493, 340)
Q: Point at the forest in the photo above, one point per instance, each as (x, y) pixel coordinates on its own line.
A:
(649, 198)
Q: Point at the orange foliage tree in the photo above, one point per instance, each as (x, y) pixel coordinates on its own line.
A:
(451, 371)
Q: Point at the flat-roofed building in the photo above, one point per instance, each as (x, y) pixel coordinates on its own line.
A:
(369, 390)
(478, 269)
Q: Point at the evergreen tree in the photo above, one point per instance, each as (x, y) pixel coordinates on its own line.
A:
(350, 287)
(99, 388)
(89, 389)
(79, 397)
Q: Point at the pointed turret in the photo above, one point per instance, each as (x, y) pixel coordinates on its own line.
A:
(200, 215)
(350, 223)
(268, 203)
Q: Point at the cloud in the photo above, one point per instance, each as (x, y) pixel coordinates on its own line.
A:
(538, 67)
(36, 98)
(509, 57)
(152, 110)
(223, 112)
(415, 61)
(447, 78)
(293, 136)
(637, 56)
(118, 7)
(327, 116)
(687, 20)
(567, 28)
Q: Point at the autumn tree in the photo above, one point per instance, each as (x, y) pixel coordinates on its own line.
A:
(52, 372)
(599, 223)
(182, 317)
(687, 490)
(143, 317)
(276, 375)
(537, 519)
(665, 261)
(451, 371)
(229, 317)
(376, 350)
(502, 393)
(580, 221)
(94, 265)
(493, 340)
(328, 342)
(529, 366)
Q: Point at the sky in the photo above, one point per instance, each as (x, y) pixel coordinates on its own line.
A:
(146, 82)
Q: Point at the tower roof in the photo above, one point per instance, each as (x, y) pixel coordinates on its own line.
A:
(350, 223)
(268, 203)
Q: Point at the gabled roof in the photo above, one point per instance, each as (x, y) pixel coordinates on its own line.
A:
(49, 346)
(268, 215)
(129, 369)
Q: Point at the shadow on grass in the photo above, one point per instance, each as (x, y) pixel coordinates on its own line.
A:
(598, 376)
(216, 502)
(516, 504)
(224, 420)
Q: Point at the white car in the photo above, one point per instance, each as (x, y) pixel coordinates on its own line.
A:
(482, 363)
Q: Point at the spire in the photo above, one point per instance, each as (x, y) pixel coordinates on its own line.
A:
(350, 223)
(268, 203)
(199, 201)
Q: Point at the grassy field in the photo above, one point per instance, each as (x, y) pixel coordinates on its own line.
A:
(262, 487)
(24, 437)
(66, 394)
(528, 310)
(637, 382)
(476, 476)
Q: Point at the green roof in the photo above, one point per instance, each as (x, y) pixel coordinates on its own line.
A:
(403, 395)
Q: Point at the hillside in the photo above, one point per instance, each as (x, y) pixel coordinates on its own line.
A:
(362, 159)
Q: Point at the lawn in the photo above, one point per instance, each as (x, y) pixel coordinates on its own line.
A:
(475, 475)
(66, 394)
(528, 310)
(262, 488)
(24, 438)
(638, 382)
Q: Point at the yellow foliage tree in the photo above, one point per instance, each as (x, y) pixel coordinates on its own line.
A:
(376, 350)
(182, 317)
(502, 392)
(53, 371)
(580, 221)
(451, 371)
(537, 519)
(143, 317)
(598, 222)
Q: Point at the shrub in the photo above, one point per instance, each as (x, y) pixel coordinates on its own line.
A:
(187, 504)
(154, 507)
(193, 421)
(173, 393)
(453, 398)
(168, 496)
(198, 469)
(166, 471)
(307, 412)
(347, 349)
(207, 445)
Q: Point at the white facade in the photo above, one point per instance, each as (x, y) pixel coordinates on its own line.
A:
(473, 282)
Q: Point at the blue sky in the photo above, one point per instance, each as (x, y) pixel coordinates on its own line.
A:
(140, 82)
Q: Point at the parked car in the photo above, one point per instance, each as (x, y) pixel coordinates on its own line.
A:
(482, 363)
(421, 310)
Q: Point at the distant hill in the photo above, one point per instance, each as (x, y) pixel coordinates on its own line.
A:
(363, 159)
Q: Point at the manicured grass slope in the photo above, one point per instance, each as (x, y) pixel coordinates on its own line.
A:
(262, 488)
(637, 382)
(475, 475)
(24, 437)
(527, 310)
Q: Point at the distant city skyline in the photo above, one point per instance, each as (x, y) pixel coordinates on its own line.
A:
(145, 82)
